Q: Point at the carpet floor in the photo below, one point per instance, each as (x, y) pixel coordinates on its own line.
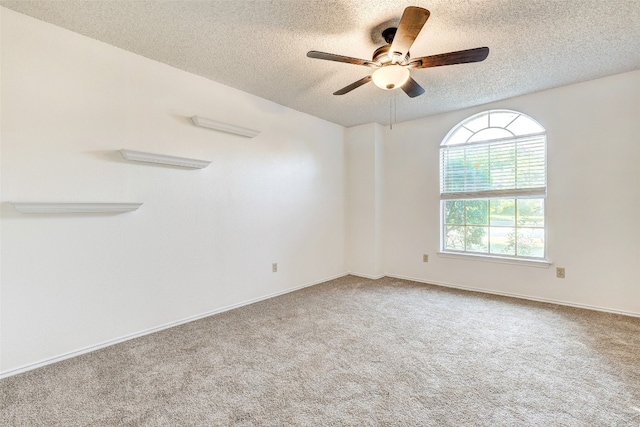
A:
(352, 352)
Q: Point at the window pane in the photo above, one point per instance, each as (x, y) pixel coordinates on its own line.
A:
(477, 123)
(501, 119)
(531, 212)
(524, 126)
(503, 212)
(490, 134)
(503, 166)
(453, 167)
(477, 169)
(477, 239)
(454, 237)
(531, 164)
(502, 240)
(530, 242)
(478, 212)
(454, 212)
(460, 136)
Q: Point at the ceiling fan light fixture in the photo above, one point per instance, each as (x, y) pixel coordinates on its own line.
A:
(390, 76)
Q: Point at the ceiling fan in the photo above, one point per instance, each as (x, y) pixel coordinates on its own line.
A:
(393, 62)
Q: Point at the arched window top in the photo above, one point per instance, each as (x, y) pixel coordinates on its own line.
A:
(492, 125)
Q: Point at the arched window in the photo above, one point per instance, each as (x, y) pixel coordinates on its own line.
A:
(493, 185)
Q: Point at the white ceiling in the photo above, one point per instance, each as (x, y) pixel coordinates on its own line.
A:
(260, 46)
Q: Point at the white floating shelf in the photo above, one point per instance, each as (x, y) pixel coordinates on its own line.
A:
(75, 207)
(140, 156)
(224, 127)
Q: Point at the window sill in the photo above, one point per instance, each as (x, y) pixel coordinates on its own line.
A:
(540, 263)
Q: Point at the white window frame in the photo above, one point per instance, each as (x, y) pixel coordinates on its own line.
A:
(493, 194)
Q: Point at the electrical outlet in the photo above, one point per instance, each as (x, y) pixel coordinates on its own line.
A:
(425, 258)
(560, 272)
(274, 267)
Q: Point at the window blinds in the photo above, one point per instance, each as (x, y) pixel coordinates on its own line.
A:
(514, 167)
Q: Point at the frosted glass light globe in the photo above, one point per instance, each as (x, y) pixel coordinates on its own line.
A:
(390, 76)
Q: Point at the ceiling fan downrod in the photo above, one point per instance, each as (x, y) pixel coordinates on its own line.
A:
(389, 34)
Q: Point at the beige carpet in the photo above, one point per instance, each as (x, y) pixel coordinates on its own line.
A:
(353, 352)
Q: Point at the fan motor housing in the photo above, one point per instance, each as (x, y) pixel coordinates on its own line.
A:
(381, 54)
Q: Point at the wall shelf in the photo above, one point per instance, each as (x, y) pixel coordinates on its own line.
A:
(224, 127)
(38, 207)
(163, 159)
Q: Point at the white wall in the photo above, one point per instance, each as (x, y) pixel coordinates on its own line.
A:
(593, 199)
(365, 198)
(203, 240)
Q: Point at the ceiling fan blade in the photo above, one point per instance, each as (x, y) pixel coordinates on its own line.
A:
(353, 86)
(339, 58)
(412, 88)
(412, 21)
(459, 57)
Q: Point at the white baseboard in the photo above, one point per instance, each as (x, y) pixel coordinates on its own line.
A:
(519, 296)
(108, 343)
(366, 276)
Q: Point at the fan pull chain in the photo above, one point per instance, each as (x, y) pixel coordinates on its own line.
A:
(393, 110)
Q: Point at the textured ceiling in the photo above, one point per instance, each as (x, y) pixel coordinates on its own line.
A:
(260, 46)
